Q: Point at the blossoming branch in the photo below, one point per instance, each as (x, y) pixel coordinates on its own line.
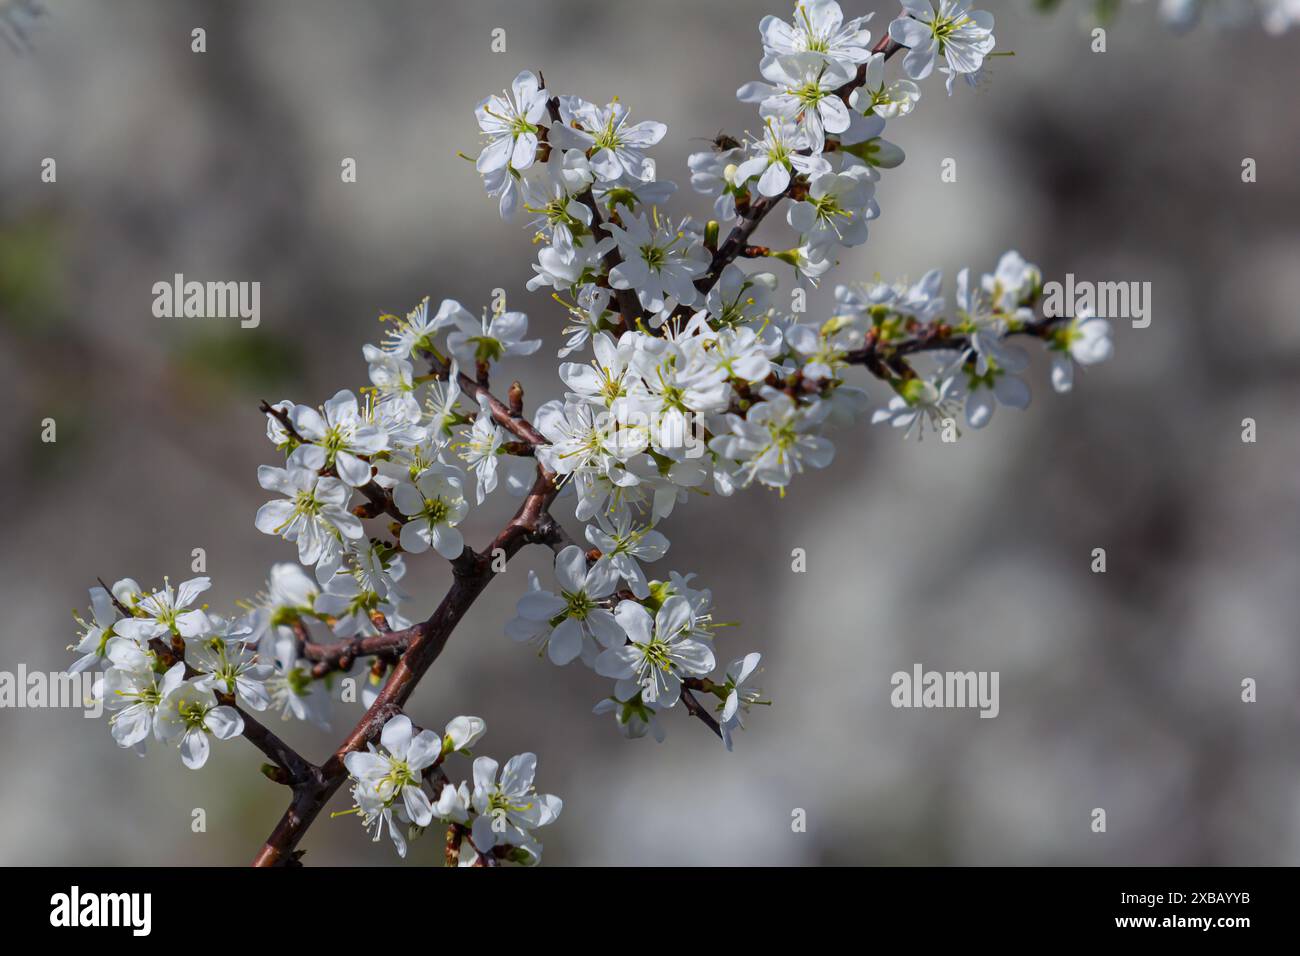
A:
(686, 371)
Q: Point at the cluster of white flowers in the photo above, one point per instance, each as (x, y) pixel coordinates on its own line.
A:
(683, 375)
(650, 637)
(706, 383)
(984, 372)
(568, 161)
(400, 786)
(131, 636)
(414, 437)
(176, 672)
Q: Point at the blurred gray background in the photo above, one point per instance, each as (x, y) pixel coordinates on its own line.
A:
(1119, 691)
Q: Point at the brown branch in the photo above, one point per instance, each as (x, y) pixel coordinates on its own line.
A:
(294, 769)
(503, 414)
(696, 709)
(629, 306)
(455, 833)
(340, 655)
(418, 646)
(380, 501)
(885, 359)
(472, 572)
(558, 538)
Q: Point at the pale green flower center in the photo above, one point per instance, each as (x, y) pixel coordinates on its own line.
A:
(501, 801)
(656, 655)
(435, 510)
(335, 441)
(944, 27)
(576, 606)
(305, 503)
(192, 714)
(399, 775)
(608, 138)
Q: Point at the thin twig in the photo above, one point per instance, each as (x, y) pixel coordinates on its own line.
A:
(696, 709)
(296, 769)
(883, 358)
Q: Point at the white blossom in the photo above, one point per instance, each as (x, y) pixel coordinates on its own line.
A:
(490, 338)
(462, 733)
(313, 513)
(434, 504)
(481, 451)
(739, 697)
(803, 90)
(818, 27)
(1085, 339)
(776, 440)
(918, 403)
(510, 123)
(190, 714)
(572, 623)
(229, 666)
(133, 696)
(618, 146)
(885, 99)
(660, 258)
(659, 654)
(388, 783)
(623, 544)
(393, 377)
(96, 633)
(509, 809)
(634, 717)
(947, 28)
(781, 153)
(167, 611)
(339, 437)
(835, 210)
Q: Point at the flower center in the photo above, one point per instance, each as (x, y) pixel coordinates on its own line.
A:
(608, 137)
(399, 775)
(191, 713)
(435, 510)
(654, 256)
(576, 606)
(944, 27)
(335, 441)
(810, 94)
(656, 655)
(305, 503)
